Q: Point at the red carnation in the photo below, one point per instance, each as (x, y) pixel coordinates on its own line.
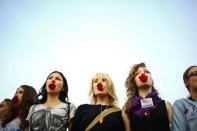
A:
(52, 86)
(100, 86)
(15, 100)
(143, 77)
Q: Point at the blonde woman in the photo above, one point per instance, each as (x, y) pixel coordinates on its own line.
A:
(102, 114)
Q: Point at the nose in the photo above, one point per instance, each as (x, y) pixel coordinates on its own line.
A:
(53, 81)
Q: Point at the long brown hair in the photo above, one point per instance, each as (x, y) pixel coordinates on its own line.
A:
(29, 98)
(131, 87)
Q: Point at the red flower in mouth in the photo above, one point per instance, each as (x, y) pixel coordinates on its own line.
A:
(100, 86)
(143, 77)
(15, 100)
(52, 86)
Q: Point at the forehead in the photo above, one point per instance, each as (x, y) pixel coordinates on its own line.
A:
(141, 69)
(192, 70)
(3, 103)
(55, 74)
(20, 89)
(100, 76)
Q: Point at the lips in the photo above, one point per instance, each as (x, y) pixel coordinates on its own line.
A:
(100, 87)
(52, 86)
(143, 77)
(15, 100)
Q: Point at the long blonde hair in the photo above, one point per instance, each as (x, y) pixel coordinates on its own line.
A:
(110, 89)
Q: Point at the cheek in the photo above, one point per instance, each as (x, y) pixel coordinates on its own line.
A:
(193, 82)
(20, 96)
(137, 81)
(150, 80)
(3, 110)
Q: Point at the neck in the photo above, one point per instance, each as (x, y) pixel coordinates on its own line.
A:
(103, 100)
(52, 100)
(144, 92)
(193, 95)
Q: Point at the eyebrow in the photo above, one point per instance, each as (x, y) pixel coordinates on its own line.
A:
(193, 73)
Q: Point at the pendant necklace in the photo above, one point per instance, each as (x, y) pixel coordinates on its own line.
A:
(101, 119)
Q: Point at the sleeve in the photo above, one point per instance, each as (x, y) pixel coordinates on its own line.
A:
(12, 126)
(30, 112)
(72, 111)
(179, 120)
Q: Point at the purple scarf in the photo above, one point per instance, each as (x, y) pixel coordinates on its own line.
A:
(137, 109)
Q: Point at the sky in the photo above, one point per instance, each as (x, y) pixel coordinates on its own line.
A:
(81, 38)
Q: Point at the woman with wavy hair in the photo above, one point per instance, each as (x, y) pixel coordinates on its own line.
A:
(144, 109)
(18, 108)
(7, 113)
(102, 114)
(52, 111)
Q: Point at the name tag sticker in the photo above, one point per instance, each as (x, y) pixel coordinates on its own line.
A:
(148, 102)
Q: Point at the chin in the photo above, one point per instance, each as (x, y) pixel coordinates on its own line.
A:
(145, 86)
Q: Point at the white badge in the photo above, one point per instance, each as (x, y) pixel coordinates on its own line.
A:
(148, 102)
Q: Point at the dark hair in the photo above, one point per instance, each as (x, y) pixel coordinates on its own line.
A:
(11, 114)
(186, 75)
(63, 96)
(131, 87)
(28, 99)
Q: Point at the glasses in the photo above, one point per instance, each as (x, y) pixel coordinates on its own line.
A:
(194, 73)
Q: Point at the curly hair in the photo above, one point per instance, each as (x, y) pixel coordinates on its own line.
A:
(131, 87)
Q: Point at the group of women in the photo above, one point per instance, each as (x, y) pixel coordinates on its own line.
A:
(50, 109)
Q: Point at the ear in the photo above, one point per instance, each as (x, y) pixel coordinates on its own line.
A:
(186, 83)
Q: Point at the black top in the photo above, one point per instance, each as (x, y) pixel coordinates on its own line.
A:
(157, 120)
(86, 113)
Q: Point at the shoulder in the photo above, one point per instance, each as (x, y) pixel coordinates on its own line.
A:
(169, 110)
(180, 102)
(36, 107)
(72, 106)
(168, 104)
(84, 107)
(14, 124)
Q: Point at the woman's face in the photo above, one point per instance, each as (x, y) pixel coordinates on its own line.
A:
(143, 78)
(54, 83)
(3, 109)
(18, 96)
(100, 86)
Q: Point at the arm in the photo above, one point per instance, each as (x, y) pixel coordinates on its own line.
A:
(126, 120)
(179, 120)
(71, 115)
(169, 110)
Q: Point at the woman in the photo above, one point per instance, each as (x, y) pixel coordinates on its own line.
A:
(23, 99)
(7, 114)
(52, 112)
(144, 109)
(102, 114)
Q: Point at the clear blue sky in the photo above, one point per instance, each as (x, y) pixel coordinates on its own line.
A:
(80, 38)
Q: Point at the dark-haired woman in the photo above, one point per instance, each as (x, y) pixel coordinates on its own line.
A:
(52, 112)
